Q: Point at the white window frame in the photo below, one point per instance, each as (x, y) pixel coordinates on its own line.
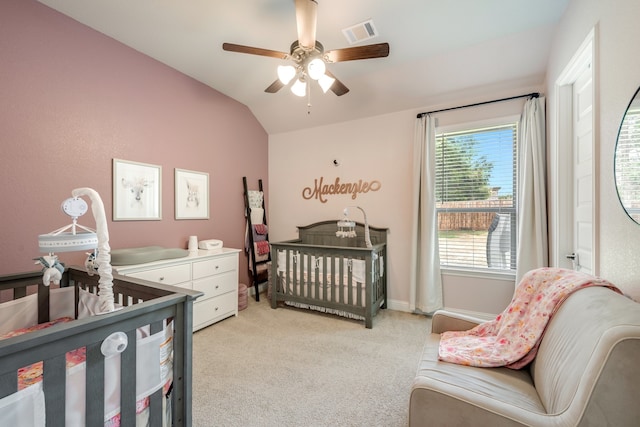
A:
(480, 124)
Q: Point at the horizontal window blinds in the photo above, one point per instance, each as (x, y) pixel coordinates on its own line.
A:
(476, 197)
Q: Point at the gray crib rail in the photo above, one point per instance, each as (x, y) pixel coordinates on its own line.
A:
(145, 303)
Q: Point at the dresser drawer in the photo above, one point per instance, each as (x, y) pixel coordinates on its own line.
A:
(214, 266)
(213, 309)
(216, 285)
(184, 285)
(166, 275)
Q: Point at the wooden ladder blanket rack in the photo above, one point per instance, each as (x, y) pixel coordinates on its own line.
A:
(257, 237)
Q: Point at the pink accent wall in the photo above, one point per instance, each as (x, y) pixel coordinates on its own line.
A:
(72, 99)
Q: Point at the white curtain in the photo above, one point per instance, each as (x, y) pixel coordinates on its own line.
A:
(426, 282)
(532, 228)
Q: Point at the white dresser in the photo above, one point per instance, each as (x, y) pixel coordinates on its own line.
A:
(214, 273)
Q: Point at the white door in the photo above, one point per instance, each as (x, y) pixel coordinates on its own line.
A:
(574, 210)
(583, 190)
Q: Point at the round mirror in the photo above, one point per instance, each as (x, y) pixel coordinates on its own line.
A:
(627, 160)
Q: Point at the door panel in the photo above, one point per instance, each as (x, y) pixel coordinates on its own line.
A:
(583, 188)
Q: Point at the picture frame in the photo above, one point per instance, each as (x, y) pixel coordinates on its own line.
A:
(137, 191)
(191, 194)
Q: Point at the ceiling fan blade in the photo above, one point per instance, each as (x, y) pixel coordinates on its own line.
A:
(337, 87)
(275, 86)
(370, 51)
(230, 47)
(306, 20)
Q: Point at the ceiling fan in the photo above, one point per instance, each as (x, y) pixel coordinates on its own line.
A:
(309, 57)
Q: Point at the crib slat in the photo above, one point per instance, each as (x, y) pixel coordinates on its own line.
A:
(155, 408)
(340, 287)
(300, 270)
(296, 272)
(155, 400)
(344, 289)
(303, 281)
(128, 382)
(19, 292)
(306, 267)
(360, 286)
(54, 384)
(350, 282)
(368, 317)
(182, 340)
(43, 303)
(325, 278)
(316, 276)
(94, 405)
(8, 384)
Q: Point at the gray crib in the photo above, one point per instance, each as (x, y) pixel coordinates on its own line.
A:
(145, 303)
(320, 271)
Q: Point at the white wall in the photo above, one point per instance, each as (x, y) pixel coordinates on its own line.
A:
(377, 148)
(617, 69)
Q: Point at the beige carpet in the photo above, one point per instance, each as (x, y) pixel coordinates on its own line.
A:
(292, 367)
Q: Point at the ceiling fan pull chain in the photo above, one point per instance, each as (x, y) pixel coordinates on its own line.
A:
(308, 99)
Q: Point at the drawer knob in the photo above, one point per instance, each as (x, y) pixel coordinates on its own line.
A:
(161, 278)
(217, 267)
(216, 309)
(217, 286)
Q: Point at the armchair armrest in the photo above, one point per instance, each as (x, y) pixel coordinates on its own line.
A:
(445, 320)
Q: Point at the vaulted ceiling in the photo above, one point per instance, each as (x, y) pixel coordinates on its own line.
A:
(440, 51)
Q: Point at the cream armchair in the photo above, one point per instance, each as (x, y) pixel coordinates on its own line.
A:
(586, 372)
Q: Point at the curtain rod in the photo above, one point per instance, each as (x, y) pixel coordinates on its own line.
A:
(532, 95)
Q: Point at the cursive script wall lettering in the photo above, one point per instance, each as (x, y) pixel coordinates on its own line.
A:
(320, 190)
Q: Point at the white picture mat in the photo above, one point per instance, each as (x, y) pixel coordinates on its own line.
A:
(137, 191)
(192, 194)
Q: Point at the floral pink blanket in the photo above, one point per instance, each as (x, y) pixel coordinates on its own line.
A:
(512, 338)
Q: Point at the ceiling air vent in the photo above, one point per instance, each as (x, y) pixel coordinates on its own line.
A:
(360, 32)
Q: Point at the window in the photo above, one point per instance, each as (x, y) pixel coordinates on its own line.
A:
(476, 198)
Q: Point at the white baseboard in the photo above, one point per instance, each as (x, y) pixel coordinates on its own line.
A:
(479, 314)
(398, 305)
(404, 306)
(391, 304)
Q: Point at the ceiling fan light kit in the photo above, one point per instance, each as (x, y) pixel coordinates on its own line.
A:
(316, 68)
(309, 57)
(299, 88)
(326, 82)
(286, 73)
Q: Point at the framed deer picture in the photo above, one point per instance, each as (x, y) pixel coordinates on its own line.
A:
(137, 191)
(192, 194)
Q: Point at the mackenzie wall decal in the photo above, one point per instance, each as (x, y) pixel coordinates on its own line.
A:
(320, 189)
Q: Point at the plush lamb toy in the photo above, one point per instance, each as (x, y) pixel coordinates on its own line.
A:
(91, 263)
(52, 269)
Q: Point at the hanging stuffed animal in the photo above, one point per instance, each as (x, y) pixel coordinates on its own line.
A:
(52, 269)
(91, 263)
